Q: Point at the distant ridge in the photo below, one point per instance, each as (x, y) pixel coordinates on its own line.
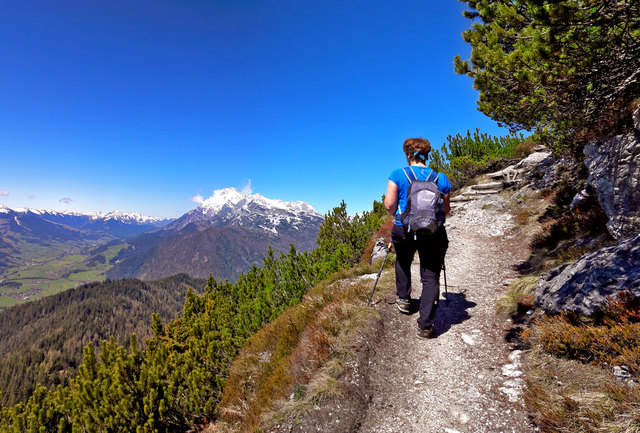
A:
(128, 217)
(54, 233)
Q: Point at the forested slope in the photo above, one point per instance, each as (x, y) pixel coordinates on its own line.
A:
(42, 341)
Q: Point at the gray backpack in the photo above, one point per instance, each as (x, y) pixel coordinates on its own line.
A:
(425, 207)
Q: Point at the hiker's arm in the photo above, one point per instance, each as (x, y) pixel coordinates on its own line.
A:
(447, 204)
(391, 198)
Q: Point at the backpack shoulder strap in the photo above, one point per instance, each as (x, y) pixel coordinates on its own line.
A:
(436, 179)
(407, 174)
(429, 175)
(415, 176)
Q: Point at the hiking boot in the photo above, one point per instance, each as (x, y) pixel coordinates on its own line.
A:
(403, 305)
(424, 333)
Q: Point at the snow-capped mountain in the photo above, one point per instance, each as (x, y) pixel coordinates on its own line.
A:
(49, 224)
(230, 207)
(226, 235)
(129, 218)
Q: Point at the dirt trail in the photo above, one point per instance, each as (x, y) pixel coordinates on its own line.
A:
(466, 378)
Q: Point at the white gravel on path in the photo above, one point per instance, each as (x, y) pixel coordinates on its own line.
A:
(467, 378)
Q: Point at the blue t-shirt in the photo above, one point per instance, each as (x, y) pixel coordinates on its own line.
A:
(399, 177)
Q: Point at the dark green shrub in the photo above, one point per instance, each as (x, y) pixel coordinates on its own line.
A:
(464, 157)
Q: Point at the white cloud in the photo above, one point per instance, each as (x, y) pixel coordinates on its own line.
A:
(247, 190)
(197, 199)
(4, 192)
(66, 200)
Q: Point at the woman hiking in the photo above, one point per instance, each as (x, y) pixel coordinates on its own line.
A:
(431, 247)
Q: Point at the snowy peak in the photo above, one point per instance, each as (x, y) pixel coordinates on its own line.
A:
(222, 197)
(131, 217)
(229, 207)
(233, 198)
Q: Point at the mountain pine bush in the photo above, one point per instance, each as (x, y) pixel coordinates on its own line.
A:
(464, 157)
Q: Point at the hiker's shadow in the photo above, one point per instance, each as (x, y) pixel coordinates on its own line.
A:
(451, 312)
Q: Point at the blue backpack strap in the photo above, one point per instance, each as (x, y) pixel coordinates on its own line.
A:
(407, 174)
(429, 175)
(415, 177)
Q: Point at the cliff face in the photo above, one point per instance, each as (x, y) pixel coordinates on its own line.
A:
(614, 172)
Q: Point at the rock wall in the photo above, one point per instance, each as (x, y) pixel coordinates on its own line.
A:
(585, 285)
(614, 172)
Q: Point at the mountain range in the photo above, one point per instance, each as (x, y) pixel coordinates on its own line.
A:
(33, 235)
(48, 224)
(224, 236)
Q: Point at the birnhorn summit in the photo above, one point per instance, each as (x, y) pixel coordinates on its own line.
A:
(226, 235)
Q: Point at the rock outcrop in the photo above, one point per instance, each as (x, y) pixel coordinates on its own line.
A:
(614, 172)
(585, 285)
(380, 250)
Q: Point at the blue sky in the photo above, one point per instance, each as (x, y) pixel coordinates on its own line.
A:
(143, 105)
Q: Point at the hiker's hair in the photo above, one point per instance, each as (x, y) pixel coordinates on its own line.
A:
(413, 145)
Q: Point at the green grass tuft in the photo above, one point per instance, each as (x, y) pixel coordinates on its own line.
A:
(507, 305)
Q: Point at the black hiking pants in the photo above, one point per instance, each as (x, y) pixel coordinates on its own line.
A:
(431, 249)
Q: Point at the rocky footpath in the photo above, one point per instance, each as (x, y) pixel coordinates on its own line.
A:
(510, 176)
(467, 377)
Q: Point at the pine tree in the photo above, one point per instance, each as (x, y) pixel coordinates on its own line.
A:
(556, 66)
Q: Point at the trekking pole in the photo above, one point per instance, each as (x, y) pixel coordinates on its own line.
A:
(446, 293)
(379, 272)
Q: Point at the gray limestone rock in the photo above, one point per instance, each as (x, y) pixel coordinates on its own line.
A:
(379, 250)
(585, 285)
(548, 172)
(614, 171)
(532, 161)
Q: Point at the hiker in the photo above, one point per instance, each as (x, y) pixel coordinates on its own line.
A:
(431, 247)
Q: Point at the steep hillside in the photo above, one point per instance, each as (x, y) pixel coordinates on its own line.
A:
(42, 341)
(174, 382)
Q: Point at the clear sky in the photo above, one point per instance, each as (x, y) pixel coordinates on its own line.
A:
(149, 106)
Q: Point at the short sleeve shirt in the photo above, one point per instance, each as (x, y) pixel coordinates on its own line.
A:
(399, 178)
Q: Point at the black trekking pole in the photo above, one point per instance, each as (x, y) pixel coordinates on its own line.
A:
(446, 293)
(379, 272)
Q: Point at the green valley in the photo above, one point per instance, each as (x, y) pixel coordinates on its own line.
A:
(47, 270)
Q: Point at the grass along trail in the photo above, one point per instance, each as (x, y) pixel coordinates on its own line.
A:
(466, 378)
